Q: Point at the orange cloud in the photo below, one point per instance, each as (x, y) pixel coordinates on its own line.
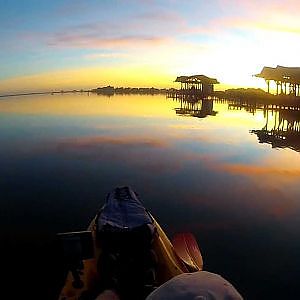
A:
(93, 42)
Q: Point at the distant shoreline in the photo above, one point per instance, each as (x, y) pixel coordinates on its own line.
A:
(110, 90)
(44, 93)
(239, 94)
(107, 90)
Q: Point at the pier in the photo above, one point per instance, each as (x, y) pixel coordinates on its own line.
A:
(252, 99)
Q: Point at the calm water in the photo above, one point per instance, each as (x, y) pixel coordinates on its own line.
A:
(199, 170)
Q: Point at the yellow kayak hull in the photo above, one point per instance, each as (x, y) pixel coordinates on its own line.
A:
(169, 264)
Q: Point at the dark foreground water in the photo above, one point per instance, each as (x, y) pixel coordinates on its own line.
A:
(197, 168)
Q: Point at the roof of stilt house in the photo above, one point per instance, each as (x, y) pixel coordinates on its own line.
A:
(280, 73)
(196, 79)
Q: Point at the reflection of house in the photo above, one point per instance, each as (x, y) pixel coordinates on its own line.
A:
(285, 133)
(193, 86)
(200, 108)
(287, 79)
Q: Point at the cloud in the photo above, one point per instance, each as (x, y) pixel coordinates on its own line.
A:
(239, 15)
(106, 55)
(144, 29)
(212, 38)
(255, 7)
(173, 18)
(93, 42)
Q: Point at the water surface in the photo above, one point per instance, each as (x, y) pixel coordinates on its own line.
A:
(220, 171)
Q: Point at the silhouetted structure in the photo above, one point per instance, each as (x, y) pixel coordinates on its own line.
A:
(284, 131)
(193, 86)
(287, 79)
(257, 98)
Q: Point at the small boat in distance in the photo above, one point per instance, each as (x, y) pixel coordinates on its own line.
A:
(124, 250)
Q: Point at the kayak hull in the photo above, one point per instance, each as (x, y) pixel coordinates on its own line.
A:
(171, 261)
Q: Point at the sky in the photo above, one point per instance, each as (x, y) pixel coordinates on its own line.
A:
(66, 44)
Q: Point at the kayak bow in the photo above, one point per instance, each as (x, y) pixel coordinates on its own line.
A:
(116, 246)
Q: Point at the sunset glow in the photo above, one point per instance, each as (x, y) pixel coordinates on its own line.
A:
(48, 45)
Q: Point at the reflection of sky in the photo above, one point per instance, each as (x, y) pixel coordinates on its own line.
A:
(208, 176)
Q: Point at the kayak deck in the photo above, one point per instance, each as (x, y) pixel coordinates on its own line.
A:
(170, 259)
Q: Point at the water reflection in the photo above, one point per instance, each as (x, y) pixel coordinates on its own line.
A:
(199, 108)
(282, 125)
(282, 129)
(60, 154)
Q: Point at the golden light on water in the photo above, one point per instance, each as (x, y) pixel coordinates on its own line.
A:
(77, 104)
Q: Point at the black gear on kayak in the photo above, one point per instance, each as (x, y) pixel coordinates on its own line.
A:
(125, 232)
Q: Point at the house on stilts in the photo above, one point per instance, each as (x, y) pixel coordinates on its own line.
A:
(287, 79)
(193, 86)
